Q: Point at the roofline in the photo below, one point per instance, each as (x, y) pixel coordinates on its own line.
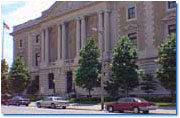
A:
(34, 22)
(30, 23)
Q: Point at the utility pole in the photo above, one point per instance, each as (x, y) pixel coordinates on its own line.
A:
(3, 43)
(7, 27)
(102, 66)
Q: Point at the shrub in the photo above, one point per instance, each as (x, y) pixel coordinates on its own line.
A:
(110, 99)
(85, 100)
(161, 99)
(91, 100)
(34, 98)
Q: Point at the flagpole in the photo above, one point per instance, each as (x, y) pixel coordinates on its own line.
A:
(3, 42)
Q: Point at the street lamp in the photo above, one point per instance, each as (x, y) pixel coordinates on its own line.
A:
(101, 32)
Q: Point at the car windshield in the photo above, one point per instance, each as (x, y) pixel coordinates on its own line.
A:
(22, 98)
(140, 100)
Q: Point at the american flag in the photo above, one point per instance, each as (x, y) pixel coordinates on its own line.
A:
(5, 26)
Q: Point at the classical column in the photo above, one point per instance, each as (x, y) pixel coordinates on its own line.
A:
(46, 46)
(107, 31)
(149, 31)
(78, 36)
(29, 52)
(83, 31)
(63, 41)
(59, 44)
(100, 29)
(42, 46)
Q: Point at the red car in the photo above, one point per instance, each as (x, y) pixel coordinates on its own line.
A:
(131, 104)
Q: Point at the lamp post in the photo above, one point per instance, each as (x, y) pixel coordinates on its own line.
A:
(101, 32)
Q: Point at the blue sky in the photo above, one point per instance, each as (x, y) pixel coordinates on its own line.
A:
(15, 13)
(9, 7)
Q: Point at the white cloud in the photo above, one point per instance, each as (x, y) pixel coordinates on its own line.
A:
(29, 11)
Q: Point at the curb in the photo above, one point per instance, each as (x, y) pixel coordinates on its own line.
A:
(83, 109)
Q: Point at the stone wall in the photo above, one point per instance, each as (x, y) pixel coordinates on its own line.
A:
(21, 51)
(92, 22)
(71, 40)
(53, 32)
(60, 21)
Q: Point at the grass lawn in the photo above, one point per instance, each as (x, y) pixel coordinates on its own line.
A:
(165, 104)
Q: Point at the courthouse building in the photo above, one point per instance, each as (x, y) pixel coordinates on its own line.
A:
(50, 45)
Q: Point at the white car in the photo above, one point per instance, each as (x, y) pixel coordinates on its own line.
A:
(53, 102)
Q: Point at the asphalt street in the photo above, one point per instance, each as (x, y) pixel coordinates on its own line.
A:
(35, 110)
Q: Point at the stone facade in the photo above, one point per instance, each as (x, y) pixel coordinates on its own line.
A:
(50, 44)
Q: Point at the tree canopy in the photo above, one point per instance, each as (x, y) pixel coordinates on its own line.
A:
(87, 75)
(124, 68)
(167, 60)
(19, 76)
(4, 76)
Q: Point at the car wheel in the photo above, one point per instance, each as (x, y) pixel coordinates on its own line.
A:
(38, 105)
(110, 109)
(136, 110)
(53, 106)
(146, 112)
(27, 105)
(63, 107)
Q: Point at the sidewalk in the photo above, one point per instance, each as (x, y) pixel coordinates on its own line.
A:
(95, 107)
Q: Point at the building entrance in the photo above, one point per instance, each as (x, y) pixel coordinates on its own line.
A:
(69, 81)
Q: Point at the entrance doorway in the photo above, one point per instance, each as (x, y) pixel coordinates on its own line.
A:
(51, 82)
(69, 81)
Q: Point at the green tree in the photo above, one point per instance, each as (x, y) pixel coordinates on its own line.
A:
(87, 75)
(4, 76)
(19, 76)
(124, 68)
(149, 84)
(167, 59)
(34, 87)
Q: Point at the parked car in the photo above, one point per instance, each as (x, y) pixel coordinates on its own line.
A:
(18, 100)
(52, 102)
(4, 99)
(131, 104)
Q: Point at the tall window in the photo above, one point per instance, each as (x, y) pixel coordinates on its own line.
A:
(37, 59)
(51, 80)
(131, 12)
(171, 4)
(172, 28)
(133, 38)
(69, 81)
(37, 38)
(20, 43)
